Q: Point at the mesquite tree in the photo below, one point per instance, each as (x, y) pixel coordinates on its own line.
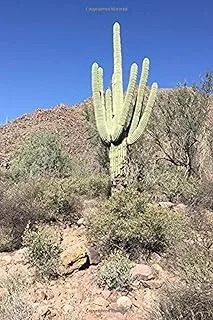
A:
(121, 120)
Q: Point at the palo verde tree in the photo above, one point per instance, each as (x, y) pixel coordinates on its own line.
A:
(121, 119)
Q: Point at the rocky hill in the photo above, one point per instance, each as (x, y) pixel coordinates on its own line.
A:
(65, 119)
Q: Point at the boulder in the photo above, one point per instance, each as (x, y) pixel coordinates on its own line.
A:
(124, 303)
(72, 259)
(142, 272)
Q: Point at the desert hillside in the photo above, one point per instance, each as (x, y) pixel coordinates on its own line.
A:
(73, 249)
(67, 120)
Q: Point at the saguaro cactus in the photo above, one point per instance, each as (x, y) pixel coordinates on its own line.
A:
(121, 120)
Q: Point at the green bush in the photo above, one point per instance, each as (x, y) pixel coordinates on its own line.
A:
(6, 239)
(38, 200)
(42, 154)
(55, 201)
(194, 263)
(17, 208)
(42, 250)
(126, 221)
(170, 183)
(114, 272)
(91, 186)
(188, 303)
(14, 304)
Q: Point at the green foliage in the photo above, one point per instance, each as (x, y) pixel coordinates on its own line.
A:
(6, 239)
(42, 250)
(42, 154)
(178, 126)
(55, 201)
(188, 303)
(114, 272)
(169, 182)
(127, 222)
(37, 200)
(14, 304)
(197, 266)
(91, 186)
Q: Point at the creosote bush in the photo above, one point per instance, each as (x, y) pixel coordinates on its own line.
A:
(42, 154)
(170, 183)
(42, 250)
(127, 222)
(14, 304)
(37, 200)
(91, 186)
(188, 303)
(114, 272)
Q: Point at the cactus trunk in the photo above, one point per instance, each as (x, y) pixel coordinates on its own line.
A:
(118, 164)
(121, 121)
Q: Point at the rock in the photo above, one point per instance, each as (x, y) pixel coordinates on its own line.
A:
(72, 259)
(80, 222)
(100, 304)
(6, 258)
(154, 257)
(180, 207)
(142, 272)
(113, 307)
(157, 268)
(93, 255)
(43, 311)
(106, 293)
(152, 284)
(124, 303)
(166, 204)
(136, 284)
(19, 255)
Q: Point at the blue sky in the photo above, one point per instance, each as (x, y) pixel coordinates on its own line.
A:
(47, 47)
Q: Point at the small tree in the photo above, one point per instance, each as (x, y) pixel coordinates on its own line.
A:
(181, 122)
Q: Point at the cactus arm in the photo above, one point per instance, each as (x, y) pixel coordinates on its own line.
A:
(140, 95)
(145, 117)
(127, 103)
(117, 77)
(99, 110)
(109, 111)
(101, 86)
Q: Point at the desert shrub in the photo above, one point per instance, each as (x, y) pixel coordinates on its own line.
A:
(175, 153)
(178, 125)
(204, 198)
(55, 201)
(6, 239)
(42, 250)
(170, 183)
(17, 208)
(197, 266)
(14, 304)
(91, 186)
(42, 154)
(127, 222)
(188, 303)
(193, 262)
(38, 200)
(100, 150)
(114, 272)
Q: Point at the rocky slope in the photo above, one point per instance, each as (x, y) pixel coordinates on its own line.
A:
(64, 119)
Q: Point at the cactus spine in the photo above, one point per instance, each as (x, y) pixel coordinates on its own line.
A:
(121, 120)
